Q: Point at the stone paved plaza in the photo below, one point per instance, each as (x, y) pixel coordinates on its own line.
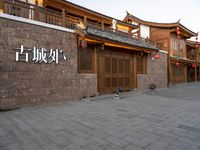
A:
(166, 120)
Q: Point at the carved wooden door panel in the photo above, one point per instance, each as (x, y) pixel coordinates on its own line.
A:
(114, 70)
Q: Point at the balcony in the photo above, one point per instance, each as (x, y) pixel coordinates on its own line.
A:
(61, 18)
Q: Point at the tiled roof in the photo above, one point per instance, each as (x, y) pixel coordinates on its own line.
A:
(119, 38)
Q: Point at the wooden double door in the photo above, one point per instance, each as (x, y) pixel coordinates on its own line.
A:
(115, 69)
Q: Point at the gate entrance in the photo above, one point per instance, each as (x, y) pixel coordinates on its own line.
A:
(115, 69)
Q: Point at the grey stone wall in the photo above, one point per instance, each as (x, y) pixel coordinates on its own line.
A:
(156, 73)
(30, 83)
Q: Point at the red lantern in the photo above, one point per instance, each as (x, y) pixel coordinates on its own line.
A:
(193, 65)
(83, 44)
(178, 32)
(177, 28)
(156, 56)
(177, 64)
(197, 45)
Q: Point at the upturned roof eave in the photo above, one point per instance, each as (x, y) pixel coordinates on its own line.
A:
(161, 25)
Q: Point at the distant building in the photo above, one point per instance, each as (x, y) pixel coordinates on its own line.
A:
(172, 37)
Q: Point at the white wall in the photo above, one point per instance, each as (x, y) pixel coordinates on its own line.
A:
(135, 23)
(144, 31)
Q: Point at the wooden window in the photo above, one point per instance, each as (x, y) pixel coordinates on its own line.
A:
(86, 60)
(178, 45)
(174, 45)
(141, 64)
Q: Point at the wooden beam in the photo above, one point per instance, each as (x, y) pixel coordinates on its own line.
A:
(118, 44)
(172, 30)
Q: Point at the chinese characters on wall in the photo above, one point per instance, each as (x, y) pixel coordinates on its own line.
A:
(39, 55)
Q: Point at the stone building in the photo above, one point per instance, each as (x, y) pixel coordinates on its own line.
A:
(183, 64)
(54, 50)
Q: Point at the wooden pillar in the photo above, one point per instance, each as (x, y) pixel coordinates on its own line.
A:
(139, 35)
(63, 18)
(144, 64)
(195, 72)
(186, 74)
(116, 29)
(102, 25)
(135, 70)
(129, 32)
(169, 79)
(85, 21)
(199, 72)
(36, 14)
(95, 60)
(1, 6)
(44, 3)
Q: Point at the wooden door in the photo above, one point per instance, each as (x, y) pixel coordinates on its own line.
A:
(198, 73)
(114, 70)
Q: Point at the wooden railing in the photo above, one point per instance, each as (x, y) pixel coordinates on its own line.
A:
(158, 45)
(60, 18)
(19, 9)
(34, 12)
(53, 17)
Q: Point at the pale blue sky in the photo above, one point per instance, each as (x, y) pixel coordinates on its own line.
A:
(151, 10)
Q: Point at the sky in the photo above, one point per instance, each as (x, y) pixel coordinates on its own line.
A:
(165, 11)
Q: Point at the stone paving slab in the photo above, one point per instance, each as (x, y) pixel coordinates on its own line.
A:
(167, 119)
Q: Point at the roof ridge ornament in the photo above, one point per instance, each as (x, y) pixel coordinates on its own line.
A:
(178, 21)
(127, 12)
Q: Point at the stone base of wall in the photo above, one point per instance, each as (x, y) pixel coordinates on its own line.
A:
(33, 83)
(156, 73)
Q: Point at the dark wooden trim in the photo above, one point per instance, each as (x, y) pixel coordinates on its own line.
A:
(135, 70)
(168, 60)
(93, 70)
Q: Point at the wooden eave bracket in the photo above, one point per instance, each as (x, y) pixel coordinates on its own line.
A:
(80, 31)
